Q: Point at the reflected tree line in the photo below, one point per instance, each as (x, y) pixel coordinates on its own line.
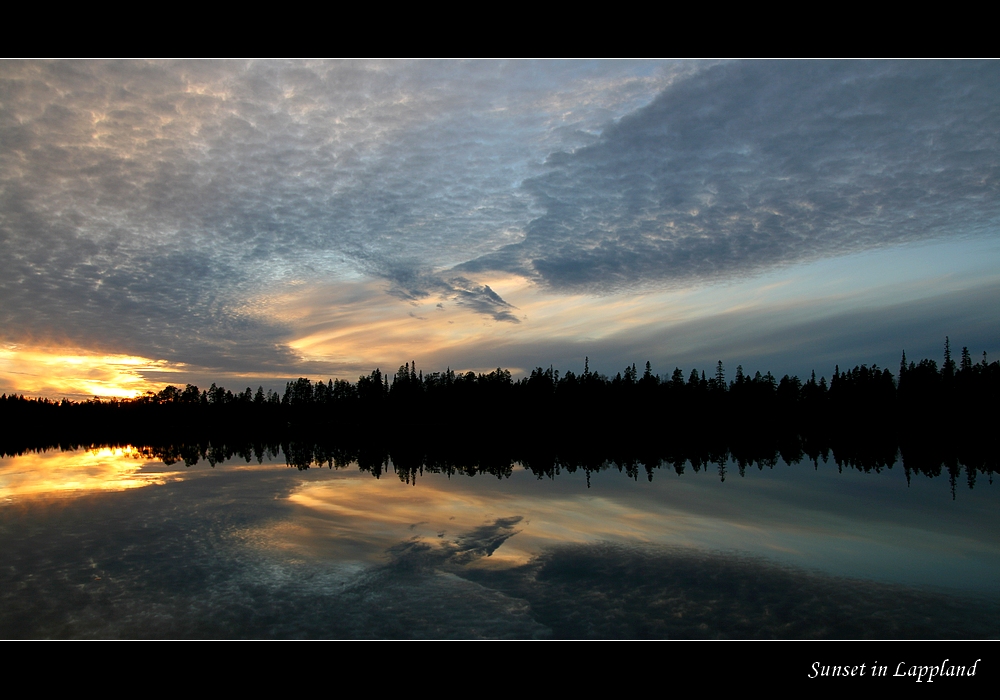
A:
(934, 419)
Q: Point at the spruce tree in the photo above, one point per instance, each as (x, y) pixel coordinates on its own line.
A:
(948, 370)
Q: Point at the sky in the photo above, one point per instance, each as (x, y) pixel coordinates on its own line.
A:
(250, 222)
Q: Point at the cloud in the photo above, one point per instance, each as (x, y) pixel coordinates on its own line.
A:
(141, 204)
(481, 299)
(145, 205)
(793, 337)
(409, 285)
(745, 166)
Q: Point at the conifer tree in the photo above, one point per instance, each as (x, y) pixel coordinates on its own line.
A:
(948, 369)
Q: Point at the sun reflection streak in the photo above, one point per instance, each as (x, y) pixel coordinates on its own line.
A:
(51, 475)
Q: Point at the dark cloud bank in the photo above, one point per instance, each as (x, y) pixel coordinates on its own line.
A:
(749, 165)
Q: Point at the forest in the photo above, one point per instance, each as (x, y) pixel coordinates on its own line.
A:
(930, 415)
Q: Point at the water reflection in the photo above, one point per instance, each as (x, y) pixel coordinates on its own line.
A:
(58, 474)
(844, 524)
(363, 514)
(260, 550)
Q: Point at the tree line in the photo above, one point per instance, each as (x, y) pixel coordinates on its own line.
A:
(954, 401)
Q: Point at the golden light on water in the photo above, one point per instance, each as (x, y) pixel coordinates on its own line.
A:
(366, 516)
(56, 474)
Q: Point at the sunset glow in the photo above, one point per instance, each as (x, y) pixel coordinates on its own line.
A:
(248, 223)
(78, 374)
(500, 349)
(55, 474)
(383, 512)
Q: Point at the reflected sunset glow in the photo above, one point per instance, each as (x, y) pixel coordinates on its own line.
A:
(67, 474)
(369, 515)
(499, 349)
(355, 517)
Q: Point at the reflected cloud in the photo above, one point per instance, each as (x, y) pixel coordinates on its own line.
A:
(616, 591)
(784, 519)
(272, 552)
(53, 475)
(688, 564)
(374, 516)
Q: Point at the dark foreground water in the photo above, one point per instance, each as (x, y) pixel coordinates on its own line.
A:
(107, 544)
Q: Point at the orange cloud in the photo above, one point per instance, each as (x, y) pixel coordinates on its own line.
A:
(360, 517)
(55, 474)
(77, 373)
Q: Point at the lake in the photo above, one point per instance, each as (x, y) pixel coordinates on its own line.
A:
(115, 543)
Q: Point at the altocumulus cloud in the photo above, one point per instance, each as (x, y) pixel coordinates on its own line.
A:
(745, 166)
(143, 204)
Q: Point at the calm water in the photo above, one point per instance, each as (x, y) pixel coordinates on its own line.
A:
(110, 544)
